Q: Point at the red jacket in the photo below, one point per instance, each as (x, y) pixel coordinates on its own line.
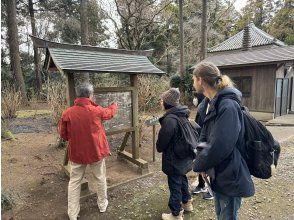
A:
(81, 126)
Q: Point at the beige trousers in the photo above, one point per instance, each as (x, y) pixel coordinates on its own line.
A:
(77, 173)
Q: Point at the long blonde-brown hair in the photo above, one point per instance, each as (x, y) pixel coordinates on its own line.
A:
(212, 76)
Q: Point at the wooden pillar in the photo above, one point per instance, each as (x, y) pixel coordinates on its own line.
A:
(70, 97)
(70, 88)
(153, 140)
(135, 117)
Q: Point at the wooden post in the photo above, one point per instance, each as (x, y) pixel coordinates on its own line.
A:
(154, 142)
(70, 88)
(70, 97)
(135, 119)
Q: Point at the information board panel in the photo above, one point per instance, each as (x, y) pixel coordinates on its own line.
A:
(123, 117)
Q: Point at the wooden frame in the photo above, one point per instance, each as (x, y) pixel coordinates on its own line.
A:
(52, 63)
(134, 156)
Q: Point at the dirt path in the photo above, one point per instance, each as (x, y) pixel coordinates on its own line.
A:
(31, 173)
(147, 198)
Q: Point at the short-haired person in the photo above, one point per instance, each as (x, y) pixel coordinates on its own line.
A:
(223, 133)
(174, 167)
(81, 125)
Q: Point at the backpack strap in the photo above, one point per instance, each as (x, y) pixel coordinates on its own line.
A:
(178, 119)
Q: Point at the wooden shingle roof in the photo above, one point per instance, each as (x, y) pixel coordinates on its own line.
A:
(257, 37)
(253, 57)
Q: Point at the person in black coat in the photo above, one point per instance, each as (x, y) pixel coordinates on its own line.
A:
(200, 188)
(223, 134)
(175, 168)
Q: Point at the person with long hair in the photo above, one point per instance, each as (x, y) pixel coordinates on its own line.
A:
(222, 134)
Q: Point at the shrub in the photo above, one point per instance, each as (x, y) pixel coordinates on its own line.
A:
(10, 101)
(56, 100)
(175, 81)
(150, 87)
(187, 81)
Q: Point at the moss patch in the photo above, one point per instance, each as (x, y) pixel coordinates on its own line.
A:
(7, 135)
(32, 113)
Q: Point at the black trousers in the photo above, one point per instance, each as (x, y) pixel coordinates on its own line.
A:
(201, 182)
(179, 192)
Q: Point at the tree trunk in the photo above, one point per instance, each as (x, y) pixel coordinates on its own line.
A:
(36, 54)
(84, 22)
(182, 67)
(13, 43)
(83, 77)
(204, 30)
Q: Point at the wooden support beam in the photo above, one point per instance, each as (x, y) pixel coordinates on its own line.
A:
(113, 89)
(124, 143)
(108, 133)
(66, 169)
(70, 88)
(65, 159)
(135, 117)
(141, 163)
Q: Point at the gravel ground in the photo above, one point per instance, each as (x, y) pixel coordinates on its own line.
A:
(30, 125)
(142, 199)
(147, 198)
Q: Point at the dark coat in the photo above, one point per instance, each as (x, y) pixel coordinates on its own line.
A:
(223, 130)
(167, 136)
(200, 115)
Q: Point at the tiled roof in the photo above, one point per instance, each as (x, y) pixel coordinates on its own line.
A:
(96, 61)
(79, 58)
(266, 55)
(257, 36)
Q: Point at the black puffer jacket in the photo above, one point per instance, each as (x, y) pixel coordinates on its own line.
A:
(223, 130)
(167, 137)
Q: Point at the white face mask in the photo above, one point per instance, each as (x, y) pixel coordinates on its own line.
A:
(195, 101)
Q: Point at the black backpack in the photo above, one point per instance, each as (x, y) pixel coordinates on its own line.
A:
(185, 144)
(261, 151)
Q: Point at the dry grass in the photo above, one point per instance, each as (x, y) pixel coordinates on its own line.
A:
(56, 100)
(150, 88)
(10, 101)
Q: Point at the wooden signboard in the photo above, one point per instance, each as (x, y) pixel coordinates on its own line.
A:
(123, 117)
(153, 121)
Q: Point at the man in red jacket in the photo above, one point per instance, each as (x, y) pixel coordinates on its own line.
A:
(81, 125)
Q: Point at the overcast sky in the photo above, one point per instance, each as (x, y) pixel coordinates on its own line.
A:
(240, 4)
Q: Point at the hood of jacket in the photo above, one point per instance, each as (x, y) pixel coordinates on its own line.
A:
(229, 92)
(180, 111)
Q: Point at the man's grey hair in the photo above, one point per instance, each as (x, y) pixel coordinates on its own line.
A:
(84, 90)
